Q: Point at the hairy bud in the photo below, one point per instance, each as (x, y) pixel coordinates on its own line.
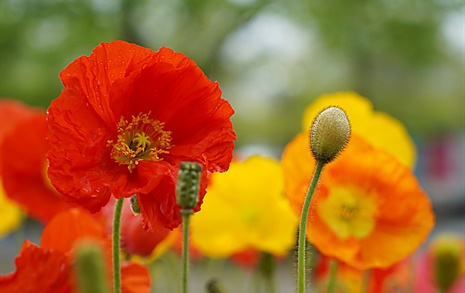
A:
(329, 134)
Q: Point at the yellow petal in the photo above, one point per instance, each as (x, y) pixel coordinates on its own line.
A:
(10, 214)
(245, 208)
(379, 129)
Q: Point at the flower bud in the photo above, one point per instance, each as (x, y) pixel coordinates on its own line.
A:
(187, 187)
(90, 269)
(135, 208)
(447, 252)
(329, 134)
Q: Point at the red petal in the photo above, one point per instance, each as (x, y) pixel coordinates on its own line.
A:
(136, 240)
(180, 95)
(93, 76)
(23, 152)
(160, 209)
(38, 269)
(135, 278)
(13, 112)
(68, 228)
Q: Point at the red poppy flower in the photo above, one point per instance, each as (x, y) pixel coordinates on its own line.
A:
(23, 167)
(125, 120)
(51, 266)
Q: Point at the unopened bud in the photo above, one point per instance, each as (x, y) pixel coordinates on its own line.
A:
(214, 286)
(329, 134)
(90, 269)
(447, 252)
(135, 208)
(187, 187)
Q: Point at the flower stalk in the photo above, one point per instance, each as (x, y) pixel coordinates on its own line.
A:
(185, 213)
(187, 197)
(116, 246)
(267, 267)
(91, 269)
(332, 276)
(329, 134)
(301, 274)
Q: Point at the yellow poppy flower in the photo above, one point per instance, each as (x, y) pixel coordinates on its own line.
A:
(10, 214)
(245, 208)
(377, 128)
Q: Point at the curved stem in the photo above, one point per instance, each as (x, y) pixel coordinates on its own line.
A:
(185, 213)
(332, 276)
(303, 228)
(116, 246)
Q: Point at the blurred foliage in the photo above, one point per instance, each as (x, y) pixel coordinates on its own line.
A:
(271, 57)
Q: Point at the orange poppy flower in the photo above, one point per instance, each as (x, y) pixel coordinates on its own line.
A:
(351, 280)
(368, 210)
(51, 266)
(23, 167)
(125, 120)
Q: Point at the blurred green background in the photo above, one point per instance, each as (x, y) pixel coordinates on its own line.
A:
(272, 58)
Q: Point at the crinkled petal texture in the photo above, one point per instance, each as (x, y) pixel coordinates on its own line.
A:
(245, 209)
(51, 266)
(368, 209)
(23, 149)
(377, 128)
(122, 81)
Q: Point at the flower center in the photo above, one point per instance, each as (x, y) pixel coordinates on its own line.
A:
(348, 212)
(142, 139)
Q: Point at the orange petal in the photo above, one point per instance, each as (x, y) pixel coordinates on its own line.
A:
(135, 278)
(68, 228)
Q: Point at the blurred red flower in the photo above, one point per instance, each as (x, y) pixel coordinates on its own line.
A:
(125, 120)
(135, 240)
(50, 267)
(23, 163)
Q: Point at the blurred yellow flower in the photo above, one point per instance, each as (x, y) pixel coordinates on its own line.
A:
(245, 208)
(378, 129)
(10, 214)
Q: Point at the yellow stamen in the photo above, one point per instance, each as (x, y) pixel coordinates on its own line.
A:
(142, 139)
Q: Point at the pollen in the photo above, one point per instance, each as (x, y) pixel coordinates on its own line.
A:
(141, 139)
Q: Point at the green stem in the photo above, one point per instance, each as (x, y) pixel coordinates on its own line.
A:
(267, 267)
(365, 281)
(303, 228)
(185, 213)
(116, 246)
(332, 276)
